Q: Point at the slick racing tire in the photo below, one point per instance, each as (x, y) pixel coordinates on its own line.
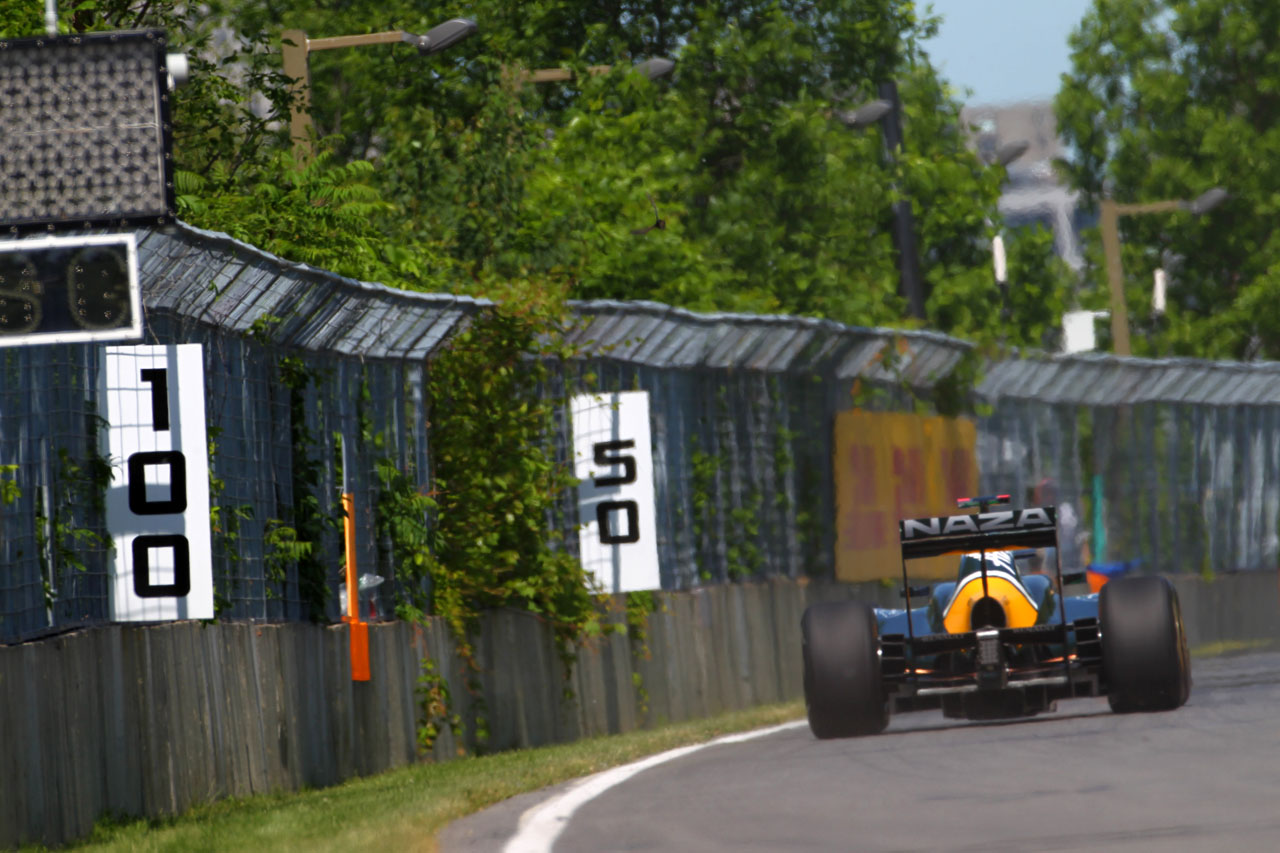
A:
(842, 687)
(1144, 645)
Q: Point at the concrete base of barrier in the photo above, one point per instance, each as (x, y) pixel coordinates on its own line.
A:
(1237, 607)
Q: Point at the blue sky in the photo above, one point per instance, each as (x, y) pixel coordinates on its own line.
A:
(1004, 50)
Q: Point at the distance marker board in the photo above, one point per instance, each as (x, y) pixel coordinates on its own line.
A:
(613, 461)
(158, 503)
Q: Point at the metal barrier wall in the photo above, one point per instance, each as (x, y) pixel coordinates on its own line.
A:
(741, 409)
(741, 403)
(357, 353)
(1173, 462)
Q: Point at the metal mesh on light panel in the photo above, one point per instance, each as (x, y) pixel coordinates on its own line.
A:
(84, 130)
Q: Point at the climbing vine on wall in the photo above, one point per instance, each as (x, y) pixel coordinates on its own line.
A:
(497, 482)
(10, 491)
(401, 518)
(638, 607)
(743, 557)
(294, 541)
(704, 469)
(224, 526)
(69, 529)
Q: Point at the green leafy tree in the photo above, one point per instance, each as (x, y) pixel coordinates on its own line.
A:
(448, 172)
(1040, 285)
(762, 204)
(1165, 100)
(768, 202)
(316, 213)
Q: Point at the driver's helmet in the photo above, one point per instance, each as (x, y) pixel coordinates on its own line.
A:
(997, 561)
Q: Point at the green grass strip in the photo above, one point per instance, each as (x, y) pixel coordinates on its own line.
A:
(403, 809)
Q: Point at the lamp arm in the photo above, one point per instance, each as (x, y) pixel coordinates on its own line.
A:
(1150, 207)
(388, 37)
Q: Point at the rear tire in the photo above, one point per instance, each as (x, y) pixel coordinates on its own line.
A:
(842, 686)
(1144, 645)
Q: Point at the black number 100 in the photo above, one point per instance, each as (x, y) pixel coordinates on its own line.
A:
(175, 504)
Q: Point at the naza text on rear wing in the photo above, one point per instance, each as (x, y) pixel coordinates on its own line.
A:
(999, 530)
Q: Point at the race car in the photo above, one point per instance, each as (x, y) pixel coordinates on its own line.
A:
(996, 642)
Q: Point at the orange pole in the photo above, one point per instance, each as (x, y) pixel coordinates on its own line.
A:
(349, 530)
(359, 630)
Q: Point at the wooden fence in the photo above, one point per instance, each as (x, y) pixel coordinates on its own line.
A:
(149, 721)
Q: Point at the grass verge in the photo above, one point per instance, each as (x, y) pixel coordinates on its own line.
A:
(404, 809)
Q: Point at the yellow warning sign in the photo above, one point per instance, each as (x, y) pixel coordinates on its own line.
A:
(890, 466)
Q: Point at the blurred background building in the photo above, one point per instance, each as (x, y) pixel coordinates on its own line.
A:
(1034, 194)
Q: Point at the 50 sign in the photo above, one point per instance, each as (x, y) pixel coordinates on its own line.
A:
(603, 454)
(614, 466)
(158, 506)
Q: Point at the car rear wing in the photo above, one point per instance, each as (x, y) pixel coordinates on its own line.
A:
(1002, 530)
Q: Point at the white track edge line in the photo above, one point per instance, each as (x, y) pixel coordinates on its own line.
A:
(542, 824)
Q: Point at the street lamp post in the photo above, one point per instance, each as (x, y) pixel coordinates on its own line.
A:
(887, 109)
(904, 227)
(295, 48)
(1109, 224)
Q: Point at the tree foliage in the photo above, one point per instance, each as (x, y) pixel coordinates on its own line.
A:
(1167, 98)
(474, 177)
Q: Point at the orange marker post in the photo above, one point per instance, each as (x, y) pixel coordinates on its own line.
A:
(359, 630)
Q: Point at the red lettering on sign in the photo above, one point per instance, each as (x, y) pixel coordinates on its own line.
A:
(908, 475)
(862, 465)
(865, 529)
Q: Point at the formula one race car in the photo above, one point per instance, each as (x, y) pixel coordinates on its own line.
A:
(994, 643)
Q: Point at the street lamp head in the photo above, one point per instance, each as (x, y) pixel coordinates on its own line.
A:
(654, 68)
(442, 36)
(867, 114)
(1010, 151)
(1208, 200)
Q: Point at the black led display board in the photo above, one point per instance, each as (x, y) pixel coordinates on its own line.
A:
(85, 134)
(69, 289)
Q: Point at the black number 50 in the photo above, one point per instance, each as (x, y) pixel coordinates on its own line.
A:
(605, 454)
(602, 451)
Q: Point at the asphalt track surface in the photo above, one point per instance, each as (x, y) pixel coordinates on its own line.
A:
(1204, 777)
